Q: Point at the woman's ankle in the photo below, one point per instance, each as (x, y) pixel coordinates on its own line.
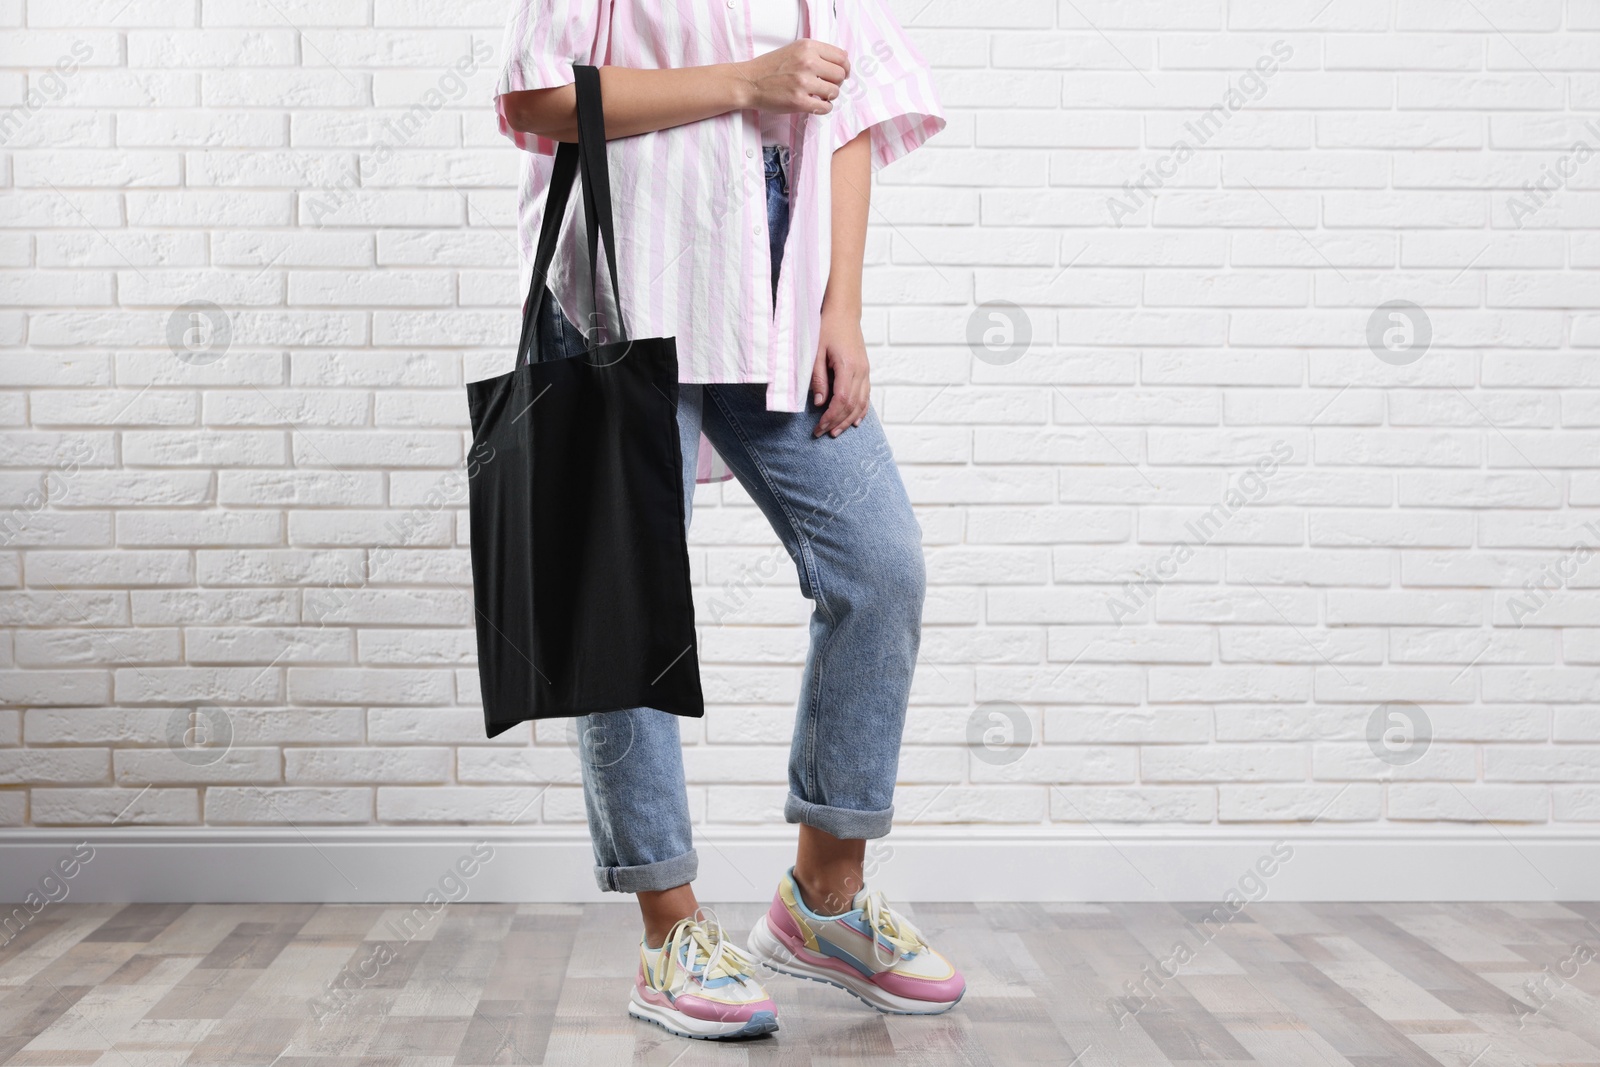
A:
(829, 891)
(662, 909)
(828, 870)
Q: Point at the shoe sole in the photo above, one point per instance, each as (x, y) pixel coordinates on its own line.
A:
(676, 1022)
(766, 946)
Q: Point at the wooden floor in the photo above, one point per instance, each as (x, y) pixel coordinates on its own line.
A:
(355, 986)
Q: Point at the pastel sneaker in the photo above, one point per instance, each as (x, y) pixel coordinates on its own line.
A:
(871, 951)
(700, 984)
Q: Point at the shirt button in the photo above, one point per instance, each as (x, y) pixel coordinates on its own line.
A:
(750, 152)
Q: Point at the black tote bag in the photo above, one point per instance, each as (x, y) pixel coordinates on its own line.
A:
(580, 570)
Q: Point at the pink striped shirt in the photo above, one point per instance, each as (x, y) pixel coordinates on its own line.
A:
(690, 201)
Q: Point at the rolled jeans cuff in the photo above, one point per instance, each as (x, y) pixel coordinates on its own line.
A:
(840, 822)
(649, 877)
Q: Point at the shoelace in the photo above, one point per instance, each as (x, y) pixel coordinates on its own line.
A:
(694, 938)
(895, 928)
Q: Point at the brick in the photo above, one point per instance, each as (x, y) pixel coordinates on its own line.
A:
(295, 805)
(175, 806)
(341, 766)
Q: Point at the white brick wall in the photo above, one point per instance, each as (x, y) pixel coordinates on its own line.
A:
(278, 533)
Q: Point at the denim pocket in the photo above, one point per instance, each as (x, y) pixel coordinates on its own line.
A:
(558, 337)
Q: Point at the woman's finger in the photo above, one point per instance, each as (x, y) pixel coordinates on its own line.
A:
(840, 411)
(850, 386)
(830, 418)
(863, 399)
(819, 379)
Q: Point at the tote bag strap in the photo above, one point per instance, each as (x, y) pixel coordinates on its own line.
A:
(597, 177)
(589, 156)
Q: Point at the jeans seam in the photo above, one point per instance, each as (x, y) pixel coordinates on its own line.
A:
(599, 794)
(813, 576)
(814, 718)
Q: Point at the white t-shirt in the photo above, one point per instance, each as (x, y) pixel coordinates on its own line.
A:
(773, 24)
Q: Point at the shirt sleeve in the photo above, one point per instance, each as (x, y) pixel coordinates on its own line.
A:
(543, 40)
(890, 88)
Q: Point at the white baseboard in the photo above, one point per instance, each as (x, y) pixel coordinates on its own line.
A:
(400, 865)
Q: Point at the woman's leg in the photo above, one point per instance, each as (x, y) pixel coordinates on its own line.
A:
(632, 761)
(633, 784)
(841, 511)
(691, 979)
(842, 514)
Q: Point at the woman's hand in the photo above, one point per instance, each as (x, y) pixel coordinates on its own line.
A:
(841, 376)
(801, 77)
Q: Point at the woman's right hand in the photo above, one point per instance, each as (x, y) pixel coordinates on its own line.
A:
(801, 77)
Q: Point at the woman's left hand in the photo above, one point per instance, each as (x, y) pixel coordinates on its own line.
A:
(841, 377)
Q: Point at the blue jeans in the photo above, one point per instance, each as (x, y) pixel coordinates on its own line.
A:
(842, 515)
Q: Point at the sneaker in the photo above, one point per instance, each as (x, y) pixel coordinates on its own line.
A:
(699, 984)
(871, 951)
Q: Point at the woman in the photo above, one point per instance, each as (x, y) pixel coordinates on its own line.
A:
(756, 270)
